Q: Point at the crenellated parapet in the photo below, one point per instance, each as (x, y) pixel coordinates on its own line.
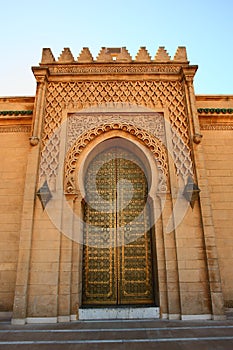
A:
(114, 54)
(115, 61)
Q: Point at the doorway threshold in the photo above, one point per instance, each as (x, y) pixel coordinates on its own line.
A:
(124, 313)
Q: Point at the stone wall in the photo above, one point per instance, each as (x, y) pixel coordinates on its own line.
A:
(14, 133)
(217, 129)
(47, 282)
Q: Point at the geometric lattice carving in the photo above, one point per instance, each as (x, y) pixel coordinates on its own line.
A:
(162, 55)
(153, 144)
(142, 55)
(83, 94)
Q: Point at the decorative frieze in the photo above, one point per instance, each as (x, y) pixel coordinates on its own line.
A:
(218, 126)
(114, 69)
(216, 118)
(15, 128)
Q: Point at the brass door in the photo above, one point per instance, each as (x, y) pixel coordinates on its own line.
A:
(117, 252)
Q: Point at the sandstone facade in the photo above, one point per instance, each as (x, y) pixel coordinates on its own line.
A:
(148, 106)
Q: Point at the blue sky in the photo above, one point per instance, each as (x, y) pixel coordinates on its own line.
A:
(205, 27)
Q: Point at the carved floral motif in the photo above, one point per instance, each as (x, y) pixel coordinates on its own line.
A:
(152, 143)
(80, 123)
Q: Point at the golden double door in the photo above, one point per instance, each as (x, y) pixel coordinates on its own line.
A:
(117, 249)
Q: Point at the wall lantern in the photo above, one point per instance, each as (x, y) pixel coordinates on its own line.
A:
(44, 194)
(191, 192)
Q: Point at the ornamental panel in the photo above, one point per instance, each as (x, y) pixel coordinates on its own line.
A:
(82, 94)
(153, 144)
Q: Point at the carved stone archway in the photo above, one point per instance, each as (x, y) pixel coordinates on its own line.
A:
(152, 143)
(149, 149)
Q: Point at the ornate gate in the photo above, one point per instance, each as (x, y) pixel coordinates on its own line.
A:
(117, 251)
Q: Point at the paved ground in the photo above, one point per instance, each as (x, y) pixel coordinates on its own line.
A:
(130, 335)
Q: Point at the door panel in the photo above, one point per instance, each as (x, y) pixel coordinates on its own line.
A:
(99, 250)
(117, 254)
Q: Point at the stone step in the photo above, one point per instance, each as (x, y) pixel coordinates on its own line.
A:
(229, 313)
(118, 335)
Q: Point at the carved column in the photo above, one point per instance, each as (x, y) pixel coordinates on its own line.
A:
(160, 256)
(191, 103)
(172, 278)
(21, 287)
(39, 105)
(76, 280)
(65, 271)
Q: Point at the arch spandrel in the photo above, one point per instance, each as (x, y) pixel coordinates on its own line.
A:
(124, 130)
